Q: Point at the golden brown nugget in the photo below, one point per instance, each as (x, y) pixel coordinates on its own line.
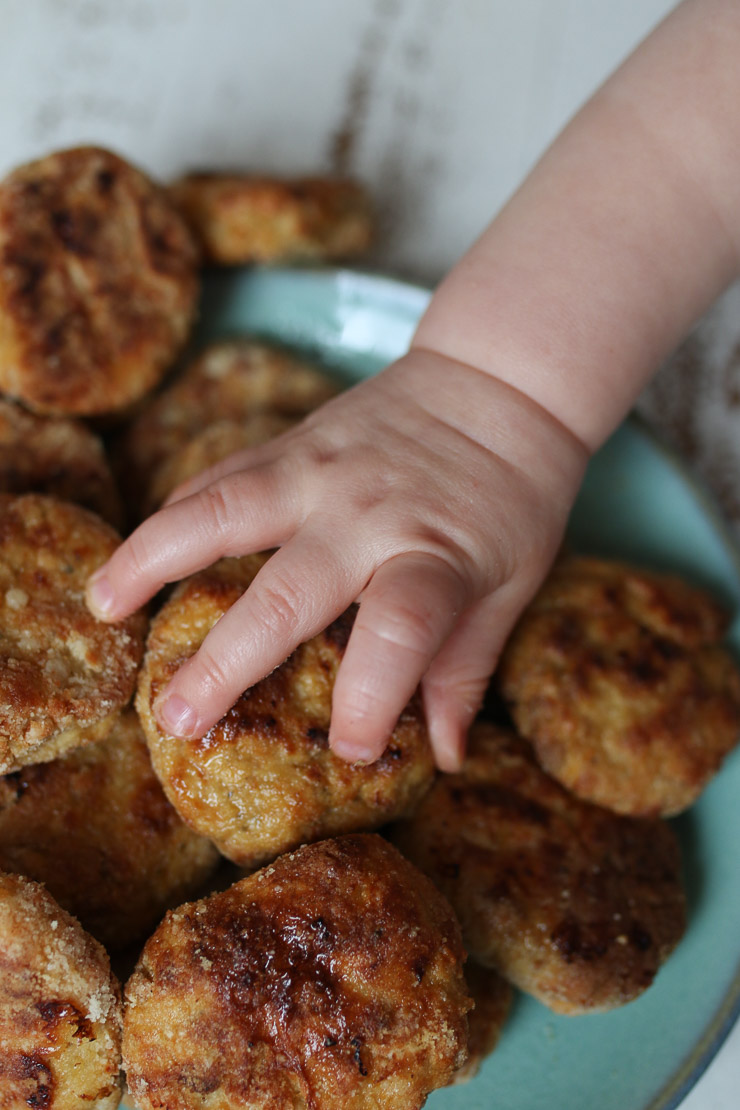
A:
(233, 380)
(573, 904)
(333, 978)
(263, 780)
(63, 458)
(239, 219)
(492, 997)
(617, 677)
(98, 283)
(64, 676)
(97, 830)
(210, 446)
(60, 1007)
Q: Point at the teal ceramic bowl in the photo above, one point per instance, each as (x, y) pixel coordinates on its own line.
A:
(638, 503)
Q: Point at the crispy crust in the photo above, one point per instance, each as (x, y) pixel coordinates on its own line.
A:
(60, 1007)
(239, 219)
(333, 978)
(617, 678)
(63, 674)
(492, 998)
(59, 457)
(98, 283)
(210, 446)
(573, 904)
(263, 779)
(233, 380)
(97, 830)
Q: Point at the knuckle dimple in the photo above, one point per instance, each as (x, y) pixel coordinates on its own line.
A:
(279, 607)
(413, 630)
(139, 552)
(208, 672)
(219, 508)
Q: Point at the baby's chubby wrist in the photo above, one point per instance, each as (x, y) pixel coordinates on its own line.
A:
(498, 417)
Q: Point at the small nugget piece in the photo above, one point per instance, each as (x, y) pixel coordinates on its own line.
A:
(239, 219)
(263, 780)
(573, 904)
(97, 830)
(229, 381)
(59, 457)
(333, 978)
(210, 446)
(64, 676)
(98, 283)
(60, 1007)
(618, 679)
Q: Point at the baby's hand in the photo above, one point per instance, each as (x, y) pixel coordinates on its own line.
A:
(433, 493)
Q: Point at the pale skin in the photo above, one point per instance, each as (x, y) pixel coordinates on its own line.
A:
(437, 493)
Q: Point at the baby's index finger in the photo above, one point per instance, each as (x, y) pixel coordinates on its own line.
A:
(245, 512)
(100, 596)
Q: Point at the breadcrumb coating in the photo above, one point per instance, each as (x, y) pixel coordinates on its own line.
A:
(239, 219)
(332, 978)
(60, 1007)
(97, 830)
(62, 458)
(575, 905)
(64, 675)
(98, 283)
(617, 677)
(263, 780)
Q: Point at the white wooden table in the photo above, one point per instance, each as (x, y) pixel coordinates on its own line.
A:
(441, 106)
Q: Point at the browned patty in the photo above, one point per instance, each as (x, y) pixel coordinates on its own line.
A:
(492, 997)
(617, 677)
(98, 283)
(240, 219)
(63, 458)
(64, 675)
(333, 978)
(573, 904)
(97, 830)
(208, 447)
(263, 779)
(60, 1008)
(233, 380)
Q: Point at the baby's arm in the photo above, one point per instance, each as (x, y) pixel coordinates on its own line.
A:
(438, 491)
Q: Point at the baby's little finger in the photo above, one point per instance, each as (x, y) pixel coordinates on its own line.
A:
(456, 681)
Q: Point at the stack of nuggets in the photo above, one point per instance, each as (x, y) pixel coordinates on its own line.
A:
(344, 974)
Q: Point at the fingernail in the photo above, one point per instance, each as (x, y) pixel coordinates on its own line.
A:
(100, 596)
(352, 753)
(176, 716)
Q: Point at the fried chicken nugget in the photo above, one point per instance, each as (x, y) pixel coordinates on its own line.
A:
(617, 677)
(97, 830)
(64, 676)
(60, 1007)
(240, 219)
(573, 904)
(210, 446)
(59, 457)
(263, 779)
(98, 283)
(232, 380)
(333, 978)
